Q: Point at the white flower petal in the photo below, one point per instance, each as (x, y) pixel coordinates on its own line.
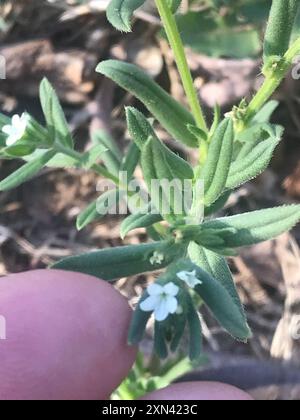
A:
(190, 278)
(11, 140)
(25, 117)
(155, 289)
(157, 258)
(161, 311)
(15, 131)
(182, 275)
(15, 121)
(172, 304)
(150, 303)
(171, 289)
(7, 129)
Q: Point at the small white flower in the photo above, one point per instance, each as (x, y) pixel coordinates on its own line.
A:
(189, 277)
(157, 258)
(15, 131)
(161, 300)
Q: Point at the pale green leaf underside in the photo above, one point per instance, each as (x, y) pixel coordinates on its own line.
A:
(254, 227)
(120, 12)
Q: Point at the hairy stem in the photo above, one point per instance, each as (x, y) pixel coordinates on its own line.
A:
(100, 170)
(273, 80)
(175, 41)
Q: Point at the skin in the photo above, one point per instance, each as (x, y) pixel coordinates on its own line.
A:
(66, 340)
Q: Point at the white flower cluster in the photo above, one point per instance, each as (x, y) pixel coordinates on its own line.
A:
(16, 130)
(157, 258)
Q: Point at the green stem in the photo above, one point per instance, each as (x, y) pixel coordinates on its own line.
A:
(174, 38)
(78, 157)
(105, 173)
(181, 368)
(272, 81)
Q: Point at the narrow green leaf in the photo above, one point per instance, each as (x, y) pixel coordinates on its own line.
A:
(218, 204)
(280, 26)
(249, 165)
(195, 329)
(138, 220)
(114, 263)
(160, 345)
(219, 301)
(120, 12)
(19, 150)
(54, 115)
(197, 132)
(92, 156)
(216, 120)
(104, 138)
(217, 267)
(26, 171)
(172, 115)
(223, 308)
(254, 227)
(138, 126)
(179, 324)
(97, 209)
(131, 160)
(153, 234)
(87, 216)
(159, 163)
(139, 322)
(265, 113)
(217, 165)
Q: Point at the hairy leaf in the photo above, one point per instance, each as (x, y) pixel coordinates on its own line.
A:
(218, 300)
(172, 115)
(112, 157)
(97, 209)
(280, 26)
(138, 322)
(139, 127)
(252, 161)
(120, 12)
(114, 263)
(26, 171)
(254, 227)
(265, 113)
(217, 267)
(160, 345)
(159, 164)
(131, 160)
(195, 330)
(92, 156)
(217, 165)
(54, 115)
(138, 220)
